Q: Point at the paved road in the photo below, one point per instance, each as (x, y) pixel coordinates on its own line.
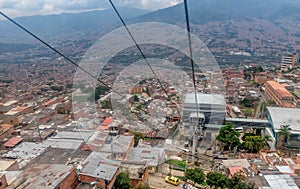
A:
(263, 99)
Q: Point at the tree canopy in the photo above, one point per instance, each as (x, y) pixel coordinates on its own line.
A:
(228, 136)
(216, 180)
(219, 180)
(285, 132)
(255, 143)
(196, 175)
(123, 181)
(238, 182)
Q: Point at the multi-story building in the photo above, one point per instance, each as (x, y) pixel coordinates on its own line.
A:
(278, 117)
(289, 60)
(279, 94)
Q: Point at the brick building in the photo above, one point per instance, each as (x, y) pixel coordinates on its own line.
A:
(279, 94)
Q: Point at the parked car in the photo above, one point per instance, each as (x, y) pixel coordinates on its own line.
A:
(172, 180)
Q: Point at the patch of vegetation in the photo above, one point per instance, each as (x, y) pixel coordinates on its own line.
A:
(123, 181)
(177, 163)
(228, 136)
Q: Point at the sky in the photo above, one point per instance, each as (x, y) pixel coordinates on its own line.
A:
(15, 8)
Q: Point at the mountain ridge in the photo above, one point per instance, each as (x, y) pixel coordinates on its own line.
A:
(65, 24)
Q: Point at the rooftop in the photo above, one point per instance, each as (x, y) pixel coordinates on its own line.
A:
(107, 121)
(153, 156)
(285, 116)
(215, 99)
(80, 135)
(235, 169)
(96, 141)
(5, 164)
(236, 163)
(16, 110)
(11, 176)
(26, 152)
(61, 156)
(9, 103)
(280, 89)
(13, 142)
(63, 143)
(98, 165)
(42, 176)
(119, 144)
(280, 181)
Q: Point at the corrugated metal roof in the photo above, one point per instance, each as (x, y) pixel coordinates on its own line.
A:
(42, 176)
(98, 165)
(281, 181)
(153, 156)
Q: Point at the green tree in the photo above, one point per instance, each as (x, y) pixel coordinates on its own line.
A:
(238, 182)
(106, 104)
(265, 141)
(246, 102)
(228, 136)
(253, 143)
(136, 98)
(216, 180)
(247, 134)
(137, 137)
(247, 112)
(100, 90)
(123, 181)
(196, 175)
(284, 133)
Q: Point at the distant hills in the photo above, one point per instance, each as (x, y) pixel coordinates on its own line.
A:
(204, 11)
(65, 25)
(201, 12)
(259, 27)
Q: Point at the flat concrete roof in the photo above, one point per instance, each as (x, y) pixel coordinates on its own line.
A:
(285, 116)
(63, 143)
(213, 99)
(5, 164)
(236, 162)
(246, 120)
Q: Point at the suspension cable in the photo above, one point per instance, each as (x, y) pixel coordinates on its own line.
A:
(139, 49)
(56, 51)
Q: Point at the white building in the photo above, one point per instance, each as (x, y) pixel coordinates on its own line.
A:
(289, 60)
(213, 106)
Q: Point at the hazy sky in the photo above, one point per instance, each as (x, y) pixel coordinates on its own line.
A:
(34, 7)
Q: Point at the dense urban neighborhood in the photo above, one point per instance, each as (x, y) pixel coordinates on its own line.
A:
(154, 125)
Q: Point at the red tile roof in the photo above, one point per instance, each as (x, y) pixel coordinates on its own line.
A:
(234, 170)
(107, 121)
(280, 89)
(13, 142)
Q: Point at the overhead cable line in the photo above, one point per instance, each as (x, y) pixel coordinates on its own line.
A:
(186, 10)
(56, 51)
(139, 48)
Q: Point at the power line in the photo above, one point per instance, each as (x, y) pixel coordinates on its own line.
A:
(139, 48)
(186, 10)
(55, 50)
